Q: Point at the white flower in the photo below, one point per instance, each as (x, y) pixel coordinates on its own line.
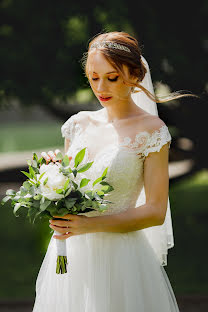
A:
(56, 180)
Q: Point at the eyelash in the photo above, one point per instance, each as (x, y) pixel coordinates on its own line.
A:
(114, 79)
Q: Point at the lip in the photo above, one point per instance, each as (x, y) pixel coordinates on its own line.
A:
(105, 99)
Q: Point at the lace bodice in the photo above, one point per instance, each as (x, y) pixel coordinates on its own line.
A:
(124, 160)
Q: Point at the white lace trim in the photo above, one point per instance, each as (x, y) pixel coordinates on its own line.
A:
(68, 129)
(147, 142)
(144, 142)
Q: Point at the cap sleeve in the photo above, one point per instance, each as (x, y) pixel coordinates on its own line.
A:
(68, 128)
(157, 139)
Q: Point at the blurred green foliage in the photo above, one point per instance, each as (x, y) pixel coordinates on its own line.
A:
(30, 136)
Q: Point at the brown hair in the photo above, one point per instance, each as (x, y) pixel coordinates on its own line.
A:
(117, 58)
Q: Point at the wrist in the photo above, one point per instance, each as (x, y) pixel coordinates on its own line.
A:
(107, 223)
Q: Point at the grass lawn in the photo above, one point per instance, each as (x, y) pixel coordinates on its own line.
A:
(187, 261)
(30, 136)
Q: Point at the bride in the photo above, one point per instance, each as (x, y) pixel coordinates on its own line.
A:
(116, 259)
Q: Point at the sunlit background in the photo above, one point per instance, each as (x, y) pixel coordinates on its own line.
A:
(42, 84)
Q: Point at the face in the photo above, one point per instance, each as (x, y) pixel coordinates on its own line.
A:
(105, 80)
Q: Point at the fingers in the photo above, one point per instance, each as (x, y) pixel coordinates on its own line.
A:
(50, 155)
(60, 223)
(68, 216)
(63, 236)
(61, 230)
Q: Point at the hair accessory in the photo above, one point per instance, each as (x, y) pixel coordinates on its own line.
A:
(109, 44)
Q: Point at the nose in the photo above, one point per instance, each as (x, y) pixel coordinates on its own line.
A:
(101, 87)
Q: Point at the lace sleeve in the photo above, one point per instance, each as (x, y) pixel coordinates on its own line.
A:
(157, 139)
(68, 128)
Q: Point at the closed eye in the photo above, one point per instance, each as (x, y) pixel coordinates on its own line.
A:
(114, 79)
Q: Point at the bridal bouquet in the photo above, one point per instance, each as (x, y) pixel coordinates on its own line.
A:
(56, 189)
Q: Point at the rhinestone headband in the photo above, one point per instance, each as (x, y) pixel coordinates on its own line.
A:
(109, 44)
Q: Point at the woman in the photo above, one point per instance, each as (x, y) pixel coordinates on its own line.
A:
(113, 266)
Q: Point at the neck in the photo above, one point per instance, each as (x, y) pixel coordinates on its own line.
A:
(118, 112)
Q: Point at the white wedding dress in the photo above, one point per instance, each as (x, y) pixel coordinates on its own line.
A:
(108, 272)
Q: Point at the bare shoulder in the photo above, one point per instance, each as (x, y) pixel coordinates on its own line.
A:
(151, 123)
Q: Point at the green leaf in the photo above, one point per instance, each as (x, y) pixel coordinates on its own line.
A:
(27, 174)
(37, 197)
(79, 157)
(29, 162)
(41, 161)
(27, 185)
(107, 188)
(97, 180)
(62, 212)
(5, 199)
(45, 181)
(68, 192)
(44, 205)
(32, 172)
(95, 205)
(105, 172)
(100, 193)
(66, 184)
(30, 181)
(85, 167)
(75, 185)
(23, 191)
(41, 175)
(90, 194)
(35, 157)
(70, 202)
(16, 207)
(74, 172)
(59, 156)
(59, 191)
(31, 214)
(97, 196)
(34, 164)
(84, 182)
(65, 161)
(10, 192)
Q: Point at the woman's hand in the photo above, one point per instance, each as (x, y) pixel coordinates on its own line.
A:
(70, 225)
(51, 156)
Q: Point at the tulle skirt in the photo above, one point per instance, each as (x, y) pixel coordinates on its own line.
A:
(107, 272)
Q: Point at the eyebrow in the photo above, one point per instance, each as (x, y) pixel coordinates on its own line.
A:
(108, 72)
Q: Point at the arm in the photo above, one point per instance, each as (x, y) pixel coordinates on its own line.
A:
(152, 213)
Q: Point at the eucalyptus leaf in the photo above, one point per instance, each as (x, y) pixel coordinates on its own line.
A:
(59, 156)
(29, 162)
(79, 157)
(84, 182)
(97, 181)
(66, 184)
(105, 172)
(62, 212)
(65, 161)
(27, 174)
(27, 185)
(85, 167)
(70, 202)
(10, 192)
(16, 207)
(90, 194)
(5, 199)
(41, 175)
(59, 191)
(44, 205)
(45, 181)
